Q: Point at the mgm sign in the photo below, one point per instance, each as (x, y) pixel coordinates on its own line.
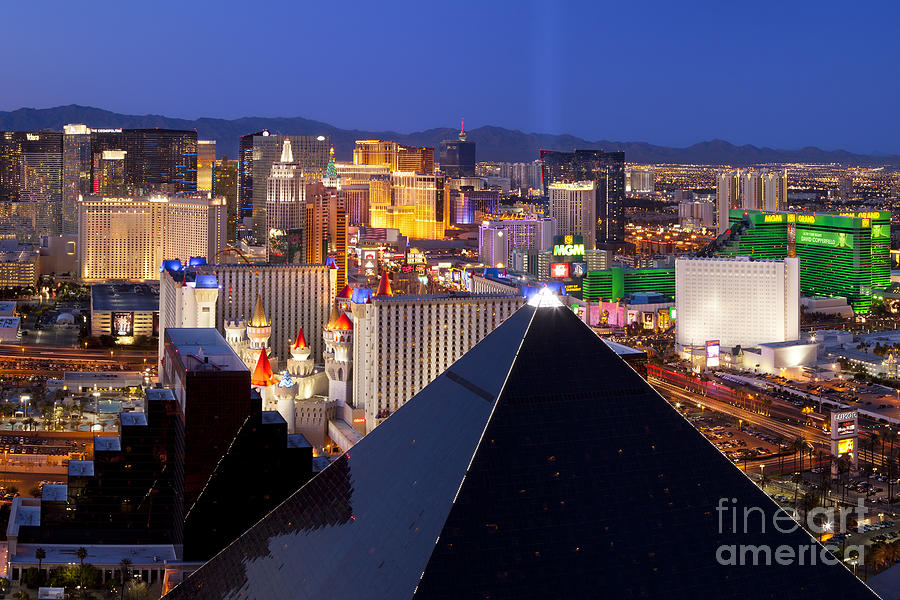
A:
(844, 439)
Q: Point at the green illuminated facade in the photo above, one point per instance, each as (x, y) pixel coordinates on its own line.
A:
(616, 283)
(846, 254)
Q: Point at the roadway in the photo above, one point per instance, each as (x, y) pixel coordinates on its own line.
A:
(777, 421)
(56, 359)
(787, 430)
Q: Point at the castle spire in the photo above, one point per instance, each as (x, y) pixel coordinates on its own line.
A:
(384, 286)
(259, 314)
(335, 315)
(300, 342)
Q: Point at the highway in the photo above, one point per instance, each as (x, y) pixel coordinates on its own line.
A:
(70, 359)
(790, 431)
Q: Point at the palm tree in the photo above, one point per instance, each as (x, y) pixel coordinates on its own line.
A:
(878, 555)
(21, 595)
(125, 568)
(40, 554)
(891, 553)
(797, 478)
(81, 553)
(875, 439)
(826, 487)
(796, 447)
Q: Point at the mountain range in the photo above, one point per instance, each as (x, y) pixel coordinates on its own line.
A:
(493, 143)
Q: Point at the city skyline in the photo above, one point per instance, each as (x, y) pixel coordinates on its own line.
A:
(663, 85)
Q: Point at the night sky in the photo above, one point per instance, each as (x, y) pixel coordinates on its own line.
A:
(782, 74)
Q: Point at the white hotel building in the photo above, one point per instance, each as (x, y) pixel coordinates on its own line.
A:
(128, 238)
(737, 301)
(573, 205)
(293, 296)
(400, 344)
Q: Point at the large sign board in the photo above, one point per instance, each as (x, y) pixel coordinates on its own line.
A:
(571, 247)
(559, 270)
(844, 437)
(825, 238)
(122, 324)
(712, 353)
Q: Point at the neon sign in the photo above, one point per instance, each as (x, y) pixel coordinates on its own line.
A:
(568, 250)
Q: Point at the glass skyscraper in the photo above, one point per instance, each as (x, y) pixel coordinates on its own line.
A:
(458, 157)
(607, 169)
(258, 152)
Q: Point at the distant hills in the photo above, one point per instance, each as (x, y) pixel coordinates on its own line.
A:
(494, 143)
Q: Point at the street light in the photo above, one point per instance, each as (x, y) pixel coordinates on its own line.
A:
(96, 396)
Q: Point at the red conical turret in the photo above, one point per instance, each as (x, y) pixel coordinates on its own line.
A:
(262, 374)
(343, 323)
(300, 342)
(384, 286)
(347, 292)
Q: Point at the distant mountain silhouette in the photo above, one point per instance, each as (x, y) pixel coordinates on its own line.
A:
(494, 143)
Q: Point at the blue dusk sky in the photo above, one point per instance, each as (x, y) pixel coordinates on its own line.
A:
(783, 74)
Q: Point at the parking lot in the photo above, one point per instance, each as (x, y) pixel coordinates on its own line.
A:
(737, 442)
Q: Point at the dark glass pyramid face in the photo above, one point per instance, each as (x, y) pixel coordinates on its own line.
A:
(579, 482)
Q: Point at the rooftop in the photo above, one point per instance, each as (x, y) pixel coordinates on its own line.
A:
(271, 417)
(787, 344)
(28, 516)
(104, 376)
(105, 554)
(621, 349)
(159, 394)
(81, 468)
(297, 440)
(442, 298)
(130, 419)
(108, 443)
(7, 307)
(142, 297)
(54, 492)
(9, 322)
(198, 346)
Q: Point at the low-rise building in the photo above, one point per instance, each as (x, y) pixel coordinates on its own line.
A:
(125, 310)
(19, 265)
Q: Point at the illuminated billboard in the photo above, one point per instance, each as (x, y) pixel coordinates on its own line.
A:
(579, 269)
(843, 424)
(569, 246)
(824, 238)
(122, 324)
(845, 446)
(845, 428)
(844, 432)
(295, 247)
(712, 353)
(559, 270)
